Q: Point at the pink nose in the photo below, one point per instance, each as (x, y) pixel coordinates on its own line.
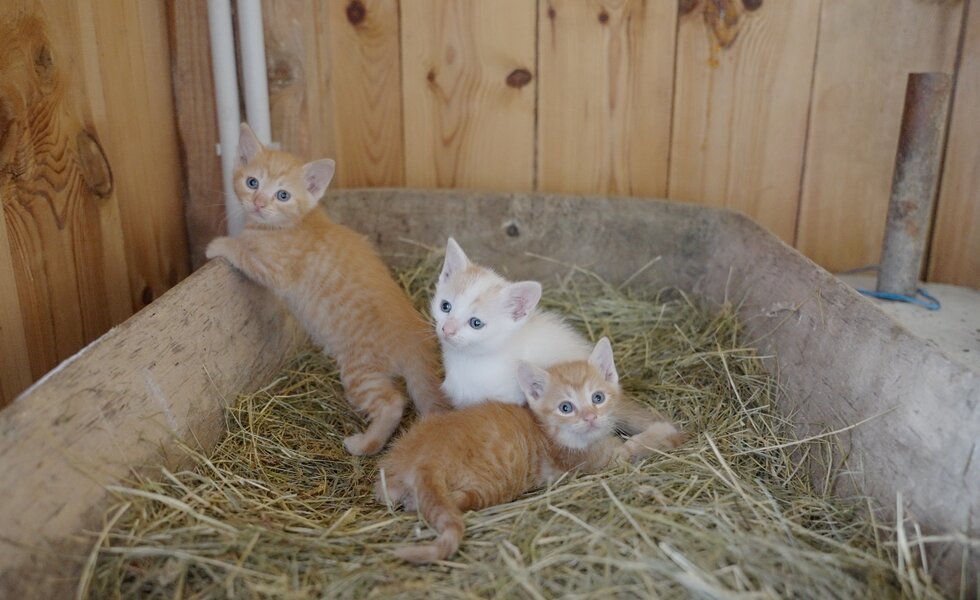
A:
(450, 328)
(589, 417)
(259, 202)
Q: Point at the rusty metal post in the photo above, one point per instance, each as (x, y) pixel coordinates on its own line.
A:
(915, 181)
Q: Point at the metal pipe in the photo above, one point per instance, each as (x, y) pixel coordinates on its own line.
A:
(225, 74)
(255, 77)
(915, 181)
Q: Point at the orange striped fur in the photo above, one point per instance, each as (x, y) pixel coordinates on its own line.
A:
(338, 287)
(494, 452)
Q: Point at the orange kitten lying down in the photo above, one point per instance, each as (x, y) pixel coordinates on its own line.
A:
(335, 284)
(494, 452)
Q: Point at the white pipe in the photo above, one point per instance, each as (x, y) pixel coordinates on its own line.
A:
(251, 39)
(224, 72)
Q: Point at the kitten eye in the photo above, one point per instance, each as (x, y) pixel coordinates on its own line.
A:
(282, 195)
(476, 323)
(252, 183)
(598, 398)
(566, 408)
(445, 306)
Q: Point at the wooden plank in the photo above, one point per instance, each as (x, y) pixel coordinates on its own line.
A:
(190, 61)
(335, 85)
(56, 186)
(741, 98)
(865, 52)
(468, 82)
(955, 255)
(302, 110)
(15, 369)
(606, 79)
(134, 111)
(362, 46)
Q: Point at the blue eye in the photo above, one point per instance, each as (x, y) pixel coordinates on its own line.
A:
(252, 183)
(598, 398)
(445, 306)
(282, 195)
(566, 408)
(476, 323)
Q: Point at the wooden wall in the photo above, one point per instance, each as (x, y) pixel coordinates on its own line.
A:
(787, 111)
(90, 180)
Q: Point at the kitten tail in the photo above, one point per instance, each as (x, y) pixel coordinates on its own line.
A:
(425, 388)
(437, 507)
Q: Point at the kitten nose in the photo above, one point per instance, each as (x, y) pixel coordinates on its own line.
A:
(589, 417)
(450, 327)
(260, 202)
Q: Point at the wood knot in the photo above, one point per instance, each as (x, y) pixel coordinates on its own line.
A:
(551, 12)
(752, 4)
(513, 230)
(282, 71)
(147, 296)
(356, 12)
(44, 63)
(430, 76)
(603, 16)
(93, 164)
(686, 6)
(518, 78)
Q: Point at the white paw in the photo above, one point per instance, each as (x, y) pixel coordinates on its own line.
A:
(220, 246)
(360, 445)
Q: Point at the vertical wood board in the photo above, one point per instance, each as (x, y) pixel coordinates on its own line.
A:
(606, 80)
(134, 109)
(865, 52)
(741, 97)
(955, 255)
(194, 108)
(468, 90)
(363, 50)
(302, 110)
(57, 189)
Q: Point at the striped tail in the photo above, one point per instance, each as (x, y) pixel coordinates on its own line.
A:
(424, 386)
(437, 507)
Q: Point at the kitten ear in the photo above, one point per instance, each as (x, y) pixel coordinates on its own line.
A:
(317, 175)
(249, 145)
(522, 297)
(533, 380)
(602, 359)
(455, 262)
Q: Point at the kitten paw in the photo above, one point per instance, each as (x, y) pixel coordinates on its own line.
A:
(219, 246)
(361, 445)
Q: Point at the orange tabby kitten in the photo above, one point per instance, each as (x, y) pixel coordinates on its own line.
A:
(493, 452)
(335, 284)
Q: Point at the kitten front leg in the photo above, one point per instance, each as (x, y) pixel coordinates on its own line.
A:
(240, 254)
(649, 430)
(662, 435)
(606, 452)
(225, 247)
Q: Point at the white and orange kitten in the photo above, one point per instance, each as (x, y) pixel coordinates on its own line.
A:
(494, 452)
(335, 283)
(487, 324)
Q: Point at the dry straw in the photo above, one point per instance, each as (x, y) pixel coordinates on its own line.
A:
(280, 510)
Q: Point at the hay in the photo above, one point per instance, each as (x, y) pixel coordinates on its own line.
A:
(280, 510)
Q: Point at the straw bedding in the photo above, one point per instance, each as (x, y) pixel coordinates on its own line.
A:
(280, 510)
